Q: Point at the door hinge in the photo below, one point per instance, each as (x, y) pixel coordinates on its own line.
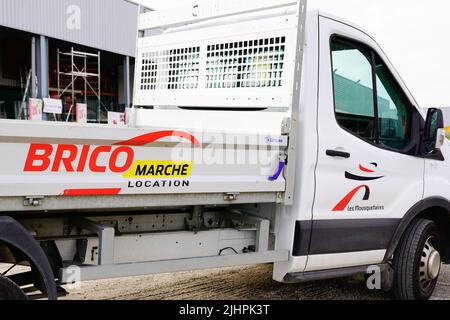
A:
(286, 126)
(231, 196)
(280, 198)
(33, 201)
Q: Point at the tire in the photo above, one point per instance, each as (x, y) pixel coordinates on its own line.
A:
(417, 261)
(10, 291)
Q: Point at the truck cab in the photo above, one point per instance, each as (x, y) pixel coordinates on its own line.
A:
(366, 160)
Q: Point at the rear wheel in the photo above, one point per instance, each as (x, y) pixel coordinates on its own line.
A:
(10, 291)
(417, 261)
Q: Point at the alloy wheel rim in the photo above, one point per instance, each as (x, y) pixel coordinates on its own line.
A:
(430, 264)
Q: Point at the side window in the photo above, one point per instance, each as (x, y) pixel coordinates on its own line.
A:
(394, 112)
(353, 89)
(377, 111)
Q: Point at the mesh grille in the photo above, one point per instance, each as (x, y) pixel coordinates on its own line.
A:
(171, 69)
(246, 64)
(240, 64)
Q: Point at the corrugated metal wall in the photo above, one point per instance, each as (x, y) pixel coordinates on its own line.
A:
(104, 24)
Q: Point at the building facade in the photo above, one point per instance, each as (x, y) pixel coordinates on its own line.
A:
(33, 32)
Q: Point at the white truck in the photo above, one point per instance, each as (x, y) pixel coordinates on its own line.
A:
(261, 132)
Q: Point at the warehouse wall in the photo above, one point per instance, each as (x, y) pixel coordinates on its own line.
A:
(108, 25)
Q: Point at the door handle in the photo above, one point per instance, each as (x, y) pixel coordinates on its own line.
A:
(338, 154)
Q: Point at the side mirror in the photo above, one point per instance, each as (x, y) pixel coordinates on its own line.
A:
(434, 135)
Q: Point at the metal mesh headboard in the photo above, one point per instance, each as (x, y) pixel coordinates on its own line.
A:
(246, 62)
(255, 63)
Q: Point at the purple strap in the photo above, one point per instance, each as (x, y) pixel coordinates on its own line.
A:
(279, 171)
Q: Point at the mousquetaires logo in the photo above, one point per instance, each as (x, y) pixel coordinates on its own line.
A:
(362, 177)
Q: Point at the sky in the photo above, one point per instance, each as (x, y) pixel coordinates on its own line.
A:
(414, 34)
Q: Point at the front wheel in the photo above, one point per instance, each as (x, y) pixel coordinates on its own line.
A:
(417, 261)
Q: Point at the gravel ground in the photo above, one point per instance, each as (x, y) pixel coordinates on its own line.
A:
(244, 283)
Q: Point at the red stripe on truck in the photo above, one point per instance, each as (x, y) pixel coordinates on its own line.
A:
(155, 136)
(91, 192)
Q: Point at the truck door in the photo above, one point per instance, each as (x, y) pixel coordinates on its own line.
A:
(368, 173)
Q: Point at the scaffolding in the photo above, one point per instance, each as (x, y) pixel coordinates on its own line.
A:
(79, 77)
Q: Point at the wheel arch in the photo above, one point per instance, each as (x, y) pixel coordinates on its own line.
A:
(436, 209)
(13, 234)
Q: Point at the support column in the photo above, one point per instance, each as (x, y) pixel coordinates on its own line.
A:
(33, 68)
(126, 82)
(42, 67)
